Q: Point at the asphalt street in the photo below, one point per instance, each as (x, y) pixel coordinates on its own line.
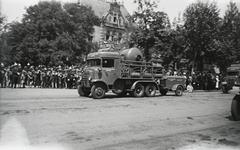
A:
(60, 119)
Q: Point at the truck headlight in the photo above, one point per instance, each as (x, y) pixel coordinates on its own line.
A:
(89, 78)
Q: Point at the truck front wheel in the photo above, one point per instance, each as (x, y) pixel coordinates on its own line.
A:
(150, 90)
(224, 89)
(235, 109)
(82, 91)
(138, 90)
(98, 91)
(179, 91)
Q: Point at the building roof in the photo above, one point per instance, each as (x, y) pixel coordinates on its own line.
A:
(101, 7)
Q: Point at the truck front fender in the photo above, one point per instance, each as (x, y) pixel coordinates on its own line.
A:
(100, 81)
(237, 97)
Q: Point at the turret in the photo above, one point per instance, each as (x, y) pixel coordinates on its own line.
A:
(133, 54)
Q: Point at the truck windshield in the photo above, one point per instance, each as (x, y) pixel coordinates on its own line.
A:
(93, 62)
(232, 73)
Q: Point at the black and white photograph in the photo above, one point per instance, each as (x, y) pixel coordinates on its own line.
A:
(120, 74)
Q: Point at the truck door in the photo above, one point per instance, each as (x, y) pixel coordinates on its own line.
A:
(109, 74)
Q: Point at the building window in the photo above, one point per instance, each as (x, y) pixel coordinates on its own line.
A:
(115, 18)
(113, 34)
(119, 37)
(90, 38)
(107, 35)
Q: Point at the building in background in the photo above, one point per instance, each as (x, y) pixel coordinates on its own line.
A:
(113, 17)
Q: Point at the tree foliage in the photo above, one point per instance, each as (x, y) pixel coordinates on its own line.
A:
(228, 49)
(4, 48)
(151, 31)
(52, 34)
(201, 23)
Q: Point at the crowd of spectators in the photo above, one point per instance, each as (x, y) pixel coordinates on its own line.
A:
(17, 76)
(205, 81)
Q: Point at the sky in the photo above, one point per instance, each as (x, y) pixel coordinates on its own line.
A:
(14, 9)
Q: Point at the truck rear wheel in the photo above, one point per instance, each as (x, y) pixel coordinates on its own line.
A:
(179, 91)
(82, 91)
(122, 94)
(118, 87)
(163, 91)
(138, 90)
(235, 109)
(150, 90)
(98, 91)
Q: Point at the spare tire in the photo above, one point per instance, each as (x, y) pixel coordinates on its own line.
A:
(235, 108)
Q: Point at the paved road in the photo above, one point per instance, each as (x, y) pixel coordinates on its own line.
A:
(60, 119)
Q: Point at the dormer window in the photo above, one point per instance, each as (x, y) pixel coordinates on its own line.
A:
(115, 18)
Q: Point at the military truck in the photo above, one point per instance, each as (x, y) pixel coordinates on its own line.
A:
(125, 72)
(232, 78)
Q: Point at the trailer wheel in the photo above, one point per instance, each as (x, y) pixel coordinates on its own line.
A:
(138, 90)
(98, 91)
(82, 92)
(163, 91)
(235, 109)
(179, 91)
(150, 90)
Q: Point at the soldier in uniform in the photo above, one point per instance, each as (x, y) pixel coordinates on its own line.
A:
(15, 74)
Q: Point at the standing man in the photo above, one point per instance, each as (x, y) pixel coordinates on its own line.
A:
(14, 76)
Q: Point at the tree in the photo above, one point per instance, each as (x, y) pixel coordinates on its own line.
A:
(4, 48)
(228, 50)
(151, 27)
(201, 24)
(51, 34)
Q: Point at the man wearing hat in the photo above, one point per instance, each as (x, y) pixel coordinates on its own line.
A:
(14, 75)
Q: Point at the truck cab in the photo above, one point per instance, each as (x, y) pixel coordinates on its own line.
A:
(102, 69)
(232, 78)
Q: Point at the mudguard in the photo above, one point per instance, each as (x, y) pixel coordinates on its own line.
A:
(143, 81)
(175, 86)
(100, 81)
(237, 97)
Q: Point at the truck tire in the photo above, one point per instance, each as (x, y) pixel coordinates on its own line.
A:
(138, 90)
(150, 90)
(179, 91)
(118, 87)
(163, 91)
(83, 92)
(235, 109)
(98, 91)
(123, 94)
